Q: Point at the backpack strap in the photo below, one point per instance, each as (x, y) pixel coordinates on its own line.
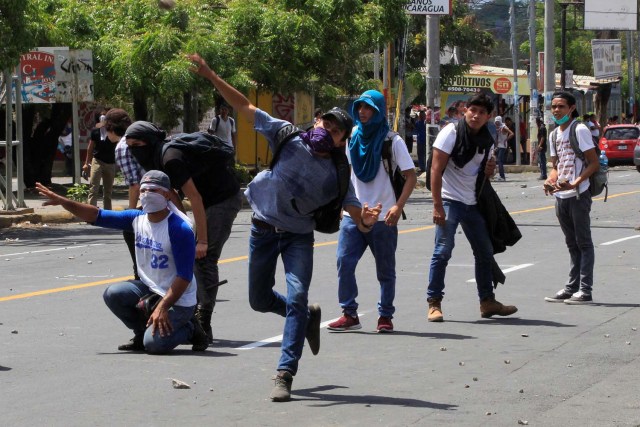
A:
(285, 133)
(388, 160)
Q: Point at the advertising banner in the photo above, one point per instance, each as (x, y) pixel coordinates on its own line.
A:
(607, 58)
(498, 84)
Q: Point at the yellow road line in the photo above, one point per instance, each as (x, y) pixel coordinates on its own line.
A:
(245, 257)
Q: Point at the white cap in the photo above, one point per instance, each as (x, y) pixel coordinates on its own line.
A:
(498, 119)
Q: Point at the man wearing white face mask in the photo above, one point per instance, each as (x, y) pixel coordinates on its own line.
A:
(165, 252)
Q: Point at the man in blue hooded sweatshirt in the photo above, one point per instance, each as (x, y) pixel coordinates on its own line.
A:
(372, 184)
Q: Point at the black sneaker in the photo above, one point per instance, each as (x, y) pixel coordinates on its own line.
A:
(579, 298)
(199, 339)
(281, 391)
(134, 344)
(561, 296)
(313, 328)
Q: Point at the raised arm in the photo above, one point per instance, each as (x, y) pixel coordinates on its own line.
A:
(233, 97)
(83, 211)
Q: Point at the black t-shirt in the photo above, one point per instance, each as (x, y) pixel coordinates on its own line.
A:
(214, 181)
(103, 149)
(542, 137)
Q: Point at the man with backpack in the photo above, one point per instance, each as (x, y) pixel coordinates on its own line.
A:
(459, 153)
(575, 160)
(224, 126)
(373, 184)
(284, 199)
(206, 179)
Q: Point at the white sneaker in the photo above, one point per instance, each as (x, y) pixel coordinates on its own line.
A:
(500, 179)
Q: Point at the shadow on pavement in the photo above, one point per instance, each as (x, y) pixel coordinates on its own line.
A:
(397, 332)
(514, 321)
(326, 399)
(4, 368)
(179, 352)
(607, 304)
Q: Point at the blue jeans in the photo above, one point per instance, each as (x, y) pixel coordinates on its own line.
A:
(501, 156)
(421, 144)
(475, 229)
(383, 241)
(121, 298)
(542, 158)
(573, 215)
(296, 251)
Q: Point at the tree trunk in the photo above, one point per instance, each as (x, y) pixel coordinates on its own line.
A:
(190, 111)
(140, 110)
(601, 101)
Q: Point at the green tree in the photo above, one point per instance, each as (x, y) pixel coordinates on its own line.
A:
(17, 34)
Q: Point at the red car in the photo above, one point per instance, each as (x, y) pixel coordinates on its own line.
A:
(619, 141)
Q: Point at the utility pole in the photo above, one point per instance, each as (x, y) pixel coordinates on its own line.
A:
(549, 59)
(631, 72)
(563, 46)
(533, 83)
(433, 72)
(514, 57)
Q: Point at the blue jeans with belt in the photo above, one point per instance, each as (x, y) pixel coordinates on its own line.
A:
(296, 250)
(383, 241)
(475, 230)
(501, 156)
(121, 298)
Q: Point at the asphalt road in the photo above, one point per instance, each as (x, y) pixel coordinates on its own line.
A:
(548, 365)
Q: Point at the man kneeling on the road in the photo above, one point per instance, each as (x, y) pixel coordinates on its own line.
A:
(159, 307)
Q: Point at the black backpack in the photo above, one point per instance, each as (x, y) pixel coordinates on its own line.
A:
(395, 175)
(326, 217)
(206, 149)
(599, 180)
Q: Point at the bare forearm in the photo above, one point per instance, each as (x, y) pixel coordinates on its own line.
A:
(233, 96)
(178, 286)
(134, 194)
(83, 211)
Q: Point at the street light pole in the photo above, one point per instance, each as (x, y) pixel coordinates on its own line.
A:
(563, 47)
(549, 59)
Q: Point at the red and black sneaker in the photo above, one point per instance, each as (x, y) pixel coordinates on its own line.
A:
(345, 324)
(385, 325)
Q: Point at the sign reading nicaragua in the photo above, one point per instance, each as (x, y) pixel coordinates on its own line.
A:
(428, 7)
(472, 83)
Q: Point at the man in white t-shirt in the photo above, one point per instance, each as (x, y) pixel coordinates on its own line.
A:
(165, 254)
(372, 184)
(593, 125)
(223, 126)
(458, 155)
(568, 181)
(503, 133)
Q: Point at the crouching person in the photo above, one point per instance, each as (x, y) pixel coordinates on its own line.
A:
(159, 307)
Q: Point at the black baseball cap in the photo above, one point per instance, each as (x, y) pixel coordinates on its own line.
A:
(341, 117)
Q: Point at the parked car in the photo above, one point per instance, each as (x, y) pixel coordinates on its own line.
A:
(619, 142)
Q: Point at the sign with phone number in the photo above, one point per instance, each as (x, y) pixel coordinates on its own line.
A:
(462, 89)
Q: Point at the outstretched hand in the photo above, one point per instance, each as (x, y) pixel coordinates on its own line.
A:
(53, 198)
(199, 65)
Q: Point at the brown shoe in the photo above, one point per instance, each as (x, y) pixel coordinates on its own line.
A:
(435, 310)
(490, 307)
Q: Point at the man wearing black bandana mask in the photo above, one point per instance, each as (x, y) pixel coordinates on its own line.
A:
(215, 197)
(459, 152)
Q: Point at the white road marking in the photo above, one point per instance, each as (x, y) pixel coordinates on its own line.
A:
(52, 250)
(508, 270)
(613, 242)
(278, 338)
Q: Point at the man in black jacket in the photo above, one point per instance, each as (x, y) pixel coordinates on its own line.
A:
(458, 154)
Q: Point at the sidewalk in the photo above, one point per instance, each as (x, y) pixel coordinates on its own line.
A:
(35, 213)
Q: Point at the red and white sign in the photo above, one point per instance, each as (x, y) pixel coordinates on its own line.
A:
(502, 85)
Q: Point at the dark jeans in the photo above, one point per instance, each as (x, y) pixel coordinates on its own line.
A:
(542, 158)
(575, 222)
(296, 250)
(121, 298)
(475, 230)
(502, 154)
(422, 153)
(220, 218)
